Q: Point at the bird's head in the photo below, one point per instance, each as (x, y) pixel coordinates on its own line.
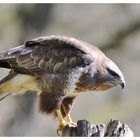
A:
(114, 74)
(108, 75)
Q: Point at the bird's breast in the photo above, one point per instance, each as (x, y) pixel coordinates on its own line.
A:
(73, 78)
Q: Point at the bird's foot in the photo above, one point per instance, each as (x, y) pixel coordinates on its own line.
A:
(63, 124)
(69, 121)
(72, 124)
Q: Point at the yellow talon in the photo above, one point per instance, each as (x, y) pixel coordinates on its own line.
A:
(62, 122)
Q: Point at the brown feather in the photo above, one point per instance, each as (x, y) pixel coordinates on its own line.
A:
(61, 68)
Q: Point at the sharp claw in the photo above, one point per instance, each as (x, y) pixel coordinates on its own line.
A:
(59, 132)
(63, 125)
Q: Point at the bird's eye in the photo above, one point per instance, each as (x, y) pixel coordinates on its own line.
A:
(113, 73)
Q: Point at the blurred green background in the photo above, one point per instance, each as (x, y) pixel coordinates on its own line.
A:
(115, 28)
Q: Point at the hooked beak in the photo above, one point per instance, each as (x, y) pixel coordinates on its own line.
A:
(122, 85)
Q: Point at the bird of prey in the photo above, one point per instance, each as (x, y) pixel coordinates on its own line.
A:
(58, 69)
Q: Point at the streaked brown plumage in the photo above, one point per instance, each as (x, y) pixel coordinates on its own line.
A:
(57, 68)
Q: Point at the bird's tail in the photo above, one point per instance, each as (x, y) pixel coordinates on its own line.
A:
(18, 84)
(5, 56)
(2, 85)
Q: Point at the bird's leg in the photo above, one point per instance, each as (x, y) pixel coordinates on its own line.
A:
(69, 120)
(62, 122)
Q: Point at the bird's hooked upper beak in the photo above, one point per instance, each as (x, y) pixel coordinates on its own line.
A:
(123, 84)
(122, 81)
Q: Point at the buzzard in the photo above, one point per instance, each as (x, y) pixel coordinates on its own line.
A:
(58, 69)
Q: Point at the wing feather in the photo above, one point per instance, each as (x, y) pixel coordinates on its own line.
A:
(54, 54)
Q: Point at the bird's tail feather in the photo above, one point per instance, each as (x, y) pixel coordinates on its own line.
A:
(18, 84)
(5, 79)
(8, 77)
(4, 96)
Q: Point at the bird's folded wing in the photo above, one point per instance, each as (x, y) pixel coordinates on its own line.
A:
(46, 55)
(51, 55)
